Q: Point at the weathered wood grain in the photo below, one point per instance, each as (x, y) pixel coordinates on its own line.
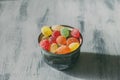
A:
(20, 23)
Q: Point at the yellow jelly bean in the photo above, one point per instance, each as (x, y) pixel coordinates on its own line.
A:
(53, 47)
(74, 46)
(46, 31)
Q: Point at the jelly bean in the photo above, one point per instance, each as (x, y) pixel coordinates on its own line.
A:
(44, 37)
(56, 33)
(53, 47)
(71, 40)
(56, 27)
(45, 44)
(46, 31)
(75, 33)
(63, 50)
(61, 40)
(74, 46)
(64, 32)
(52, 39)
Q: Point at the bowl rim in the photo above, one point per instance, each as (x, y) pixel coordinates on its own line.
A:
(68, 54)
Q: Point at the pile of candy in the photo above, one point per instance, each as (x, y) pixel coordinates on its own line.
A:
(60, 39)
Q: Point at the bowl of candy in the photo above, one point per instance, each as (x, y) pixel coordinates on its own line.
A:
(60, 45)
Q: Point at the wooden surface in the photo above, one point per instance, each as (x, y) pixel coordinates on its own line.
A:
(20, 23)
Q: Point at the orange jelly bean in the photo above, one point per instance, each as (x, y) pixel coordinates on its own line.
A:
(71, 40)
(61, 40)
(63, 50)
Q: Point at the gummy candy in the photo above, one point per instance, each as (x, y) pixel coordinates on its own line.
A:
(71, 40)
(56, 33)
(56, 27)
(53, 47)
(46, 31)
(63, 50)
(74, 46)
(64, 32)
(52, 39)
(75, 33)
(44, 37)
(45, 44)
(61, 40)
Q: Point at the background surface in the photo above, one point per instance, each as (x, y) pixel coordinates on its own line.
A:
(20, 23)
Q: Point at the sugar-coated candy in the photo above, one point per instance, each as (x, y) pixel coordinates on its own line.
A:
(75, 33)
(53, 47)
(71, 40)
(44, 37)
(46, 31)
(52, 39)
(61, 40)
(56, 27)
(64, 32)
(74, 46)
(45, 44)
(56, 33)
(63, 50)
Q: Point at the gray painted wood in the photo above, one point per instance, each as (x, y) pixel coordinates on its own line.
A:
(20, 23)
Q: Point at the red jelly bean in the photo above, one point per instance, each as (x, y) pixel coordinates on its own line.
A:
(56, 33)
(52, 39)
(75, 33)
(45, 44)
